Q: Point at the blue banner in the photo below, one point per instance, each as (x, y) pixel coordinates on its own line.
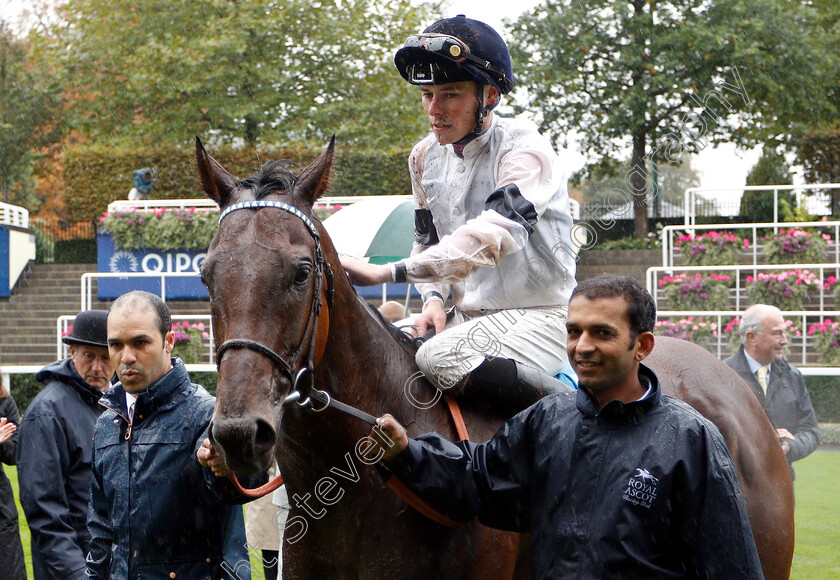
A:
(393, 292)
(4, 262)
(111, 259)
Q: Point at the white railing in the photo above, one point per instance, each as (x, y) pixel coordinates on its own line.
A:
(326, 202)
(8, 370)
(669, 234)
(150, 204)
(690, 195)
(653, 274)
(87, 282)
(12, 215)
(798, 346)
(62, 324)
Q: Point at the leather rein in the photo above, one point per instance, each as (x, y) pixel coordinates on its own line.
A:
(296, 373)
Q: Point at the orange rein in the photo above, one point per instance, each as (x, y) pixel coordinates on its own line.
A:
(395, 484)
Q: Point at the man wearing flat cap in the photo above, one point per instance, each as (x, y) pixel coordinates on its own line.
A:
(54, 449)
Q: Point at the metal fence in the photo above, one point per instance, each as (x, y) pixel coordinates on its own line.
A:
(52, 236)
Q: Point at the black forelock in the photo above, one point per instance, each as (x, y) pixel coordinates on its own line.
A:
(273, 177)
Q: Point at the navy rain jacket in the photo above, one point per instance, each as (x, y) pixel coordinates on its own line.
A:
(55, 441)
(155, 512)
(639, 490)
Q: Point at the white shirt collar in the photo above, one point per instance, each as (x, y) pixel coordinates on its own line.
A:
(754, 364)
(129, 402)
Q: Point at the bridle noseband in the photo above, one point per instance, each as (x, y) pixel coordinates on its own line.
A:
(291, 368)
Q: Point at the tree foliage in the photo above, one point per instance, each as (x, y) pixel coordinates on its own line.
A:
(770, 169)
(602, 183)
(669, 77)
(27, 108)
(97, 174)
(820, 156)
(275, 71)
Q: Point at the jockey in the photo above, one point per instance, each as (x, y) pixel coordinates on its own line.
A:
(492, 221)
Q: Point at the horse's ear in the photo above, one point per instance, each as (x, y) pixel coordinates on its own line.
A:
(313, 182)
(216, 182)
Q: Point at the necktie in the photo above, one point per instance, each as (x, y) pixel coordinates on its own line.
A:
(762, 377)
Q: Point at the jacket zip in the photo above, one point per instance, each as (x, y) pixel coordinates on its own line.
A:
(128, 430)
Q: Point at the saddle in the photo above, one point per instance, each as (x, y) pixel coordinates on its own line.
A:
(505, 397)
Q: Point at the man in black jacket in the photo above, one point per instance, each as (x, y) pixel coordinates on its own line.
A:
(614, 481)
(156, 509)
(54, 450)
(783, 394)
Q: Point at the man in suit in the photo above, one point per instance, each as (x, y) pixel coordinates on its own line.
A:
(778, 385)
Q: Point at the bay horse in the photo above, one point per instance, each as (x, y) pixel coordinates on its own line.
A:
(278, 313)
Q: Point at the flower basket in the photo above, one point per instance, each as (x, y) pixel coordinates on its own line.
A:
(696, 291)
(795, 247)
(832, 284)
(785, 290)
(696, 330)
(162, 228)
(826, 341)
(711, 249)
(189, 341)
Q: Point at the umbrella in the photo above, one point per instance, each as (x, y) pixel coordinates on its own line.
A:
(378, 227)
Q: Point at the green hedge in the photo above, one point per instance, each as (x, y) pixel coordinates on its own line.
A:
(96, 175)
(79, 251)
(825, 396)
(25, 387)
(824, 391)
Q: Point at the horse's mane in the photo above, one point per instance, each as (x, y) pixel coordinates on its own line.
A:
(272, 177)
(276, 175)
(408, 343)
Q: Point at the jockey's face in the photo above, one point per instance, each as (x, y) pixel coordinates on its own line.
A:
(451, 109)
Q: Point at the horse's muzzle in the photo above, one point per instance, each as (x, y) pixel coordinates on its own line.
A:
(245, 443)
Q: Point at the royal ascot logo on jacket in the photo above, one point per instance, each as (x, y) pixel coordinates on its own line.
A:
(641, 488)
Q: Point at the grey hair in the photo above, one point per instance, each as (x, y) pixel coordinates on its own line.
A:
(753, 317)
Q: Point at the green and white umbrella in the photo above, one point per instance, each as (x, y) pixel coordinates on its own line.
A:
(380, 228)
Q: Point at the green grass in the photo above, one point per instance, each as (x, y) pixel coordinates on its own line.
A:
(11, 473)
(817, 552)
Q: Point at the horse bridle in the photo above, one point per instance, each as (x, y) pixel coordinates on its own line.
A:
(312, 393)
(291, 368)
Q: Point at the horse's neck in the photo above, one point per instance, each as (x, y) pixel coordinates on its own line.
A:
(362, 360)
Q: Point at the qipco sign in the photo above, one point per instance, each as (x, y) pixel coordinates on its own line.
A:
(112, 260)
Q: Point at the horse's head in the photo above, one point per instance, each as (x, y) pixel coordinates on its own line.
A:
(267, 280)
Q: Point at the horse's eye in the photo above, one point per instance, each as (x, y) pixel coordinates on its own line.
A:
(302, 273)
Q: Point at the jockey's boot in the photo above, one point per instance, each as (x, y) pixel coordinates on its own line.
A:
(510, 385)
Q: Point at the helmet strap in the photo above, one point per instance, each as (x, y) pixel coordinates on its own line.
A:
(480, 114)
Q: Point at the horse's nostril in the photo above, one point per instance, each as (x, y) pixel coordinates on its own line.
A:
(264, 436)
